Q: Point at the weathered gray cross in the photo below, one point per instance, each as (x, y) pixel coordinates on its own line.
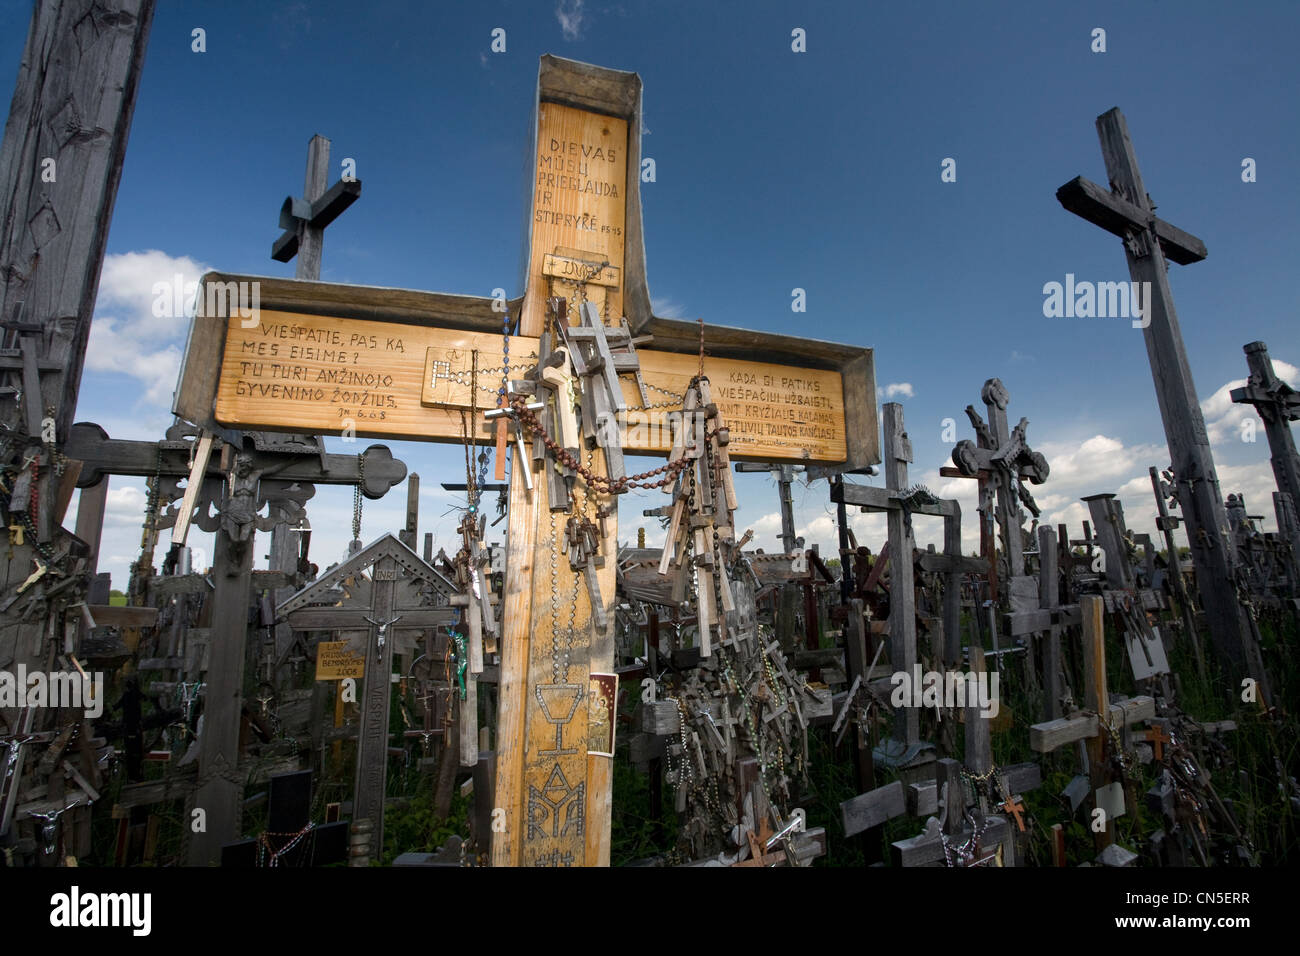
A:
(1278, 404)
(1128, 212)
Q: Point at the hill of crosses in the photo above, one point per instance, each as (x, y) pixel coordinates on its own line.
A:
(609, 660)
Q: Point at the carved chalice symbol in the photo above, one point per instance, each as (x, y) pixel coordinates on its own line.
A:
(553, 699)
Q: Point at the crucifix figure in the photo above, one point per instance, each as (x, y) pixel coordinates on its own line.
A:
(381, 629)
(1126, 210)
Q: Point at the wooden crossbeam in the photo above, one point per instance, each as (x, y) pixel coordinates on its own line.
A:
(1118, 216)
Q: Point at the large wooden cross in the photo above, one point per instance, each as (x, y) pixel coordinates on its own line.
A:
(60, 164)
(1126, 210)
(323, 358)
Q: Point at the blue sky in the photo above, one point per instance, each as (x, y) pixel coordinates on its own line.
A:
(775, 170)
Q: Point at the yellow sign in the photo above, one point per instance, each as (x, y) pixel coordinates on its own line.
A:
(334, 661)
(318, 373)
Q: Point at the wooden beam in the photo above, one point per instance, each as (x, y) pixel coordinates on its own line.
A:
(873, 808)
(1103, 208)
(327, 618)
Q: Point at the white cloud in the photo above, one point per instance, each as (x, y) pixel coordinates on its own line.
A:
(1224, 419)
(124, 506)
(667, 308)
(897, 388)
(570, 14)
(128, 336)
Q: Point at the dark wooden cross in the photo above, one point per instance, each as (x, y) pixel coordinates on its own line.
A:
(1278, 404)
(403, 593)
(60, 164)
(1002, 459)
(1126, 210)
(304, 219)
(900, 502)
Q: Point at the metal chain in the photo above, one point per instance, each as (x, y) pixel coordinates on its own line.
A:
(357, 497)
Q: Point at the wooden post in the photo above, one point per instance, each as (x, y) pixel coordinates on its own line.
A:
(411, 533)
(60, 165)
(1096, 699)
(555, 795)
(1109, 522)
(1127, 211)
(372, 737)
(311, 239)
(902, 613)
(220, 793)
(72, 105)
(1049, 598)
(90, 519)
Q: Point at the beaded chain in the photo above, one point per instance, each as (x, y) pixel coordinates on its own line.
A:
(964, 852)
(269, 856)
(357, 497)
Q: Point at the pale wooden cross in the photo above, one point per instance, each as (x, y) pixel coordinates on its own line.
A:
(366, 357)
(1103, 725)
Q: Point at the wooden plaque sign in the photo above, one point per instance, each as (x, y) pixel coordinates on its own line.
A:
(392, 366)
(334, 661)
(579, 206)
